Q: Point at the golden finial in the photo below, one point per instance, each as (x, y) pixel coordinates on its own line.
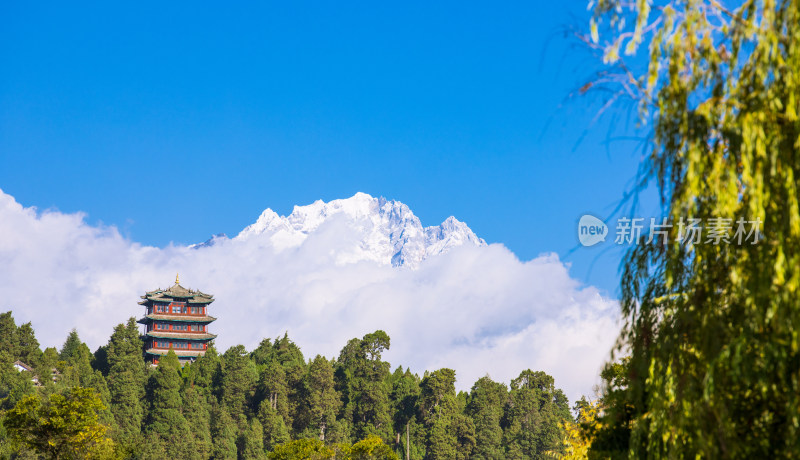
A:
(177, 279)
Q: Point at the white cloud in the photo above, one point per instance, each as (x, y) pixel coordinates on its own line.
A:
(478, 310)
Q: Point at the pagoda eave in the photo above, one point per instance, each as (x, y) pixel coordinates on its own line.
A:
(184, 319)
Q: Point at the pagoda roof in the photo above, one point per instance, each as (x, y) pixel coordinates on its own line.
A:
(180, 353)
(179, 318)
(176, 292)
(181, 335)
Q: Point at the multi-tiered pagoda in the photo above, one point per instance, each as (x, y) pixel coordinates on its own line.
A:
(176, 319)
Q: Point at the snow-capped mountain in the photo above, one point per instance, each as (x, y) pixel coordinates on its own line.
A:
(384, 231)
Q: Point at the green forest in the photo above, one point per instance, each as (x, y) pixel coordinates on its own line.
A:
(271, 402)
(707, 362)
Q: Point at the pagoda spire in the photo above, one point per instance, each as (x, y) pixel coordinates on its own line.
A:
(177, 278)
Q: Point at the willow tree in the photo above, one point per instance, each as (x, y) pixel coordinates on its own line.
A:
(713, 327)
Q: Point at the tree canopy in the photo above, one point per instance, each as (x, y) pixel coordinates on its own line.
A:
(711, 324)
(268, 403)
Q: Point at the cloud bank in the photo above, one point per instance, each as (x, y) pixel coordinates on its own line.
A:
(478, 310)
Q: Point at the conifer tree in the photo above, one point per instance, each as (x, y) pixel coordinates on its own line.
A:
(14, 385)
(363, 377)
(19, 342)
(238, 381)
(273, 390)
(126, 381)
(77, 372)
(70, 346)
(27, 345)
(100, 360)
(533, 416)
(451, 435)
(322, 401)
(291, 359)
(8, 332)
(151, 448)
(165, 416)
(223, 434)
(404, 397)
(485, 406)
(198, 418)
(262, 354)
(251, 441)
(50, 359)
(275, 429)
(206, 373)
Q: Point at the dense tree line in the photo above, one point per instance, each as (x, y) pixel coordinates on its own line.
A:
(272, 402)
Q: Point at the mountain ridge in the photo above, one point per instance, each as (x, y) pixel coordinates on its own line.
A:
(387, 231)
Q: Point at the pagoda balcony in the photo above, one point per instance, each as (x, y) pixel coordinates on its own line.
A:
(180, 353)
(181, 335)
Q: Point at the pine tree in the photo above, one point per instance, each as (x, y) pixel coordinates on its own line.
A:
(451, 435)
(196, 412)
(165, 415)
(206, 373)
(404, 397)
(100, 360)
(251, 442)
(27, 345)
(533, 417)
(322, 401)
(78, 372)
(126, 382)
(485, 406)
(291, 359)
(19, 342)
(14, 385)
(8, 332)
(273, 390)
(238, 381)
(363, 378)
(262, 354)
(70, 346)
(275, 429)
(223, 434)
(151, 448)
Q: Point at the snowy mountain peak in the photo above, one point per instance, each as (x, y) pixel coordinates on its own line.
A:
(384, 231)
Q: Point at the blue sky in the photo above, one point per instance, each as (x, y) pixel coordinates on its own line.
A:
(177, 121)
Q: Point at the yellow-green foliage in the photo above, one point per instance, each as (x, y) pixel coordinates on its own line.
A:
(714, 329)
(578, 435)
(370, 448)
(62, 427)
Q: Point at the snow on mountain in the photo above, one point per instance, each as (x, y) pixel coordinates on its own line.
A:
(384, 231)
